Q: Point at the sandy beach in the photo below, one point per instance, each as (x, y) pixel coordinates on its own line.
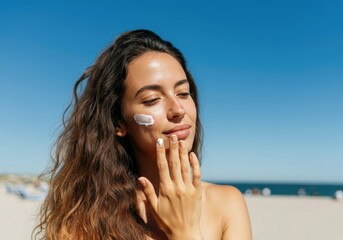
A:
(272, 217)
(298, 218)
(17, 216)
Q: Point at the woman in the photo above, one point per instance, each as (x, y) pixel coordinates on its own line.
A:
(126, 164)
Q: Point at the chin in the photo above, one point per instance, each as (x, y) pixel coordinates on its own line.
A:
(190, 146)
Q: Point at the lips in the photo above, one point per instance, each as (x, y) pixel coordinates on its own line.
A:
(181, 131)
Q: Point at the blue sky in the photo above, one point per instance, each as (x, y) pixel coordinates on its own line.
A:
(270, 76)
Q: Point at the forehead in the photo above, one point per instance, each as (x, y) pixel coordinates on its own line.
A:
(153, 68)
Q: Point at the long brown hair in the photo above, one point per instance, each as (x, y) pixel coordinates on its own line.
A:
(93, 181)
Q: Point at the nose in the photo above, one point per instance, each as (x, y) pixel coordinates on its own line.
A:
(176, 110)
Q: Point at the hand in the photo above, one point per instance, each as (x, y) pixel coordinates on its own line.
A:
(177, 208)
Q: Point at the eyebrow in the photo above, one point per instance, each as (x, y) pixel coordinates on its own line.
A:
(156, 87)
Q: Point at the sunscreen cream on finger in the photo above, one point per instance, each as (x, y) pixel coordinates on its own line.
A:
(143, 119)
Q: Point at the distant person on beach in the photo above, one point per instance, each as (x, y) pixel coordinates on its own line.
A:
(127, 162)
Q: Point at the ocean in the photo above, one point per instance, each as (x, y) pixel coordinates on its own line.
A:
(302, 189)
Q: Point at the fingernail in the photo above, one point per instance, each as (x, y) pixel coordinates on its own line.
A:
(182, 144)
(173, 138)
(160, 142)
(192, 155)
(142, 182)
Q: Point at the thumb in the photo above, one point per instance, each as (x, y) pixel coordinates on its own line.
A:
(149, 192)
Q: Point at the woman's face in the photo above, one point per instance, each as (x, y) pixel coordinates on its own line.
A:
(156, 85)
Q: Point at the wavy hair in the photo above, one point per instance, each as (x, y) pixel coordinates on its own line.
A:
(93, 180)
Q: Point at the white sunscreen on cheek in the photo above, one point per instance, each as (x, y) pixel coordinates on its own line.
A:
(143, 119)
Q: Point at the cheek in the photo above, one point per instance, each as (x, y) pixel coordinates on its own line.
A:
(159, 115)
(156, 114)
(191, 110)
(144, 136)
(192, 113)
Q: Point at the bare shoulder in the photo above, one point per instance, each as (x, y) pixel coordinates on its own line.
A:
(225, 197)
(229, 205)
(222, 193)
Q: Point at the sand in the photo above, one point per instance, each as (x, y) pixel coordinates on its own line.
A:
(272, 217)
(17, 216)
(298, 218)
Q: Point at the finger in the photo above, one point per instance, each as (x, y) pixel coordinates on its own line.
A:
(149, 192)
(184, 160)
(174, 159)
(196, 170)
(162, 163)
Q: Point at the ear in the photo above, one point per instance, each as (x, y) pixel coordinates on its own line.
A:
(121, 130)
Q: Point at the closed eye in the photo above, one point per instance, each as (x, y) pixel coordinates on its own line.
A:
(184, 95)
(151, 101)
